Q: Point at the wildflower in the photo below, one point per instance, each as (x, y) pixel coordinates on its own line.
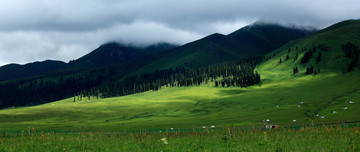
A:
(317, 115)
(351, 102)
(322, 117)
(277, 106)
(334, 112)
(203, 127)
(267, 120)
(171, 128)
(345, 108)
(301, 102)
(212, 126)
(164, 140)
(294, 120)
(298, 106)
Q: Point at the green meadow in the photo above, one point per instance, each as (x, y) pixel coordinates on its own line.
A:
(205, 105)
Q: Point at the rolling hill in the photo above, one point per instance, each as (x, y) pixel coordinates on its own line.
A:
(285, 97)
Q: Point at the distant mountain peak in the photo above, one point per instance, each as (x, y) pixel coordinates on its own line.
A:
(215, 36)
(262, 23)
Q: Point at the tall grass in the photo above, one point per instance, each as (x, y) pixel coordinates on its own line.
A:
(324, 138)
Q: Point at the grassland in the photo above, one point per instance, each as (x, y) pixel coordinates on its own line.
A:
(193, 107)
(325, 138)
(276, 98)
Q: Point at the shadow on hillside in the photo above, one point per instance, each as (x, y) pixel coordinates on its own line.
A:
(230, 92)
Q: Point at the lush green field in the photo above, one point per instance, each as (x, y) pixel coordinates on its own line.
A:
(326, 138)
(189, 107)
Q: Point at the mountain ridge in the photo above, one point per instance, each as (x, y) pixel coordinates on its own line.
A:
(15, 71)
(105, 72)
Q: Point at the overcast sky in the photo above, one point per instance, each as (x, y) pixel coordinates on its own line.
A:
(36, 30)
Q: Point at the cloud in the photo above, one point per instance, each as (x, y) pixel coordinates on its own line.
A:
(64, 30)
(26, 46)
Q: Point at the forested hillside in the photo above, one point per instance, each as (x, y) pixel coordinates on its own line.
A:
(114, 69)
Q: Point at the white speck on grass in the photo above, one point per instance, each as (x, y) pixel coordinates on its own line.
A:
(298, 106)
(203, 127)
(171, 128)
(322, 117)
(164, 140)
(334, 112)
(345, 108)
(351, 102)
(294, 120)
(212, 126)
(277, 106)
(267, 120)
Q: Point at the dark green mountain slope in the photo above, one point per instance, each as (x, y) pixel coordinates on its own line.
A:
(115, 53)
(333, 50)
(263, 38)
(107, 54)
(250, 41)
(109, 63)
(110, 53)
(16, 71)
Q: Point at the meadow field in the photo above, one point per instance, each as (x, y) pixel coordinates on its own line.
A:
(338, 137)
(286, 102)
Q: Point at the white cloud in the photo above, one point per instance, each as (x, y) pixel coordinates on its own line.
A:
(25, 46)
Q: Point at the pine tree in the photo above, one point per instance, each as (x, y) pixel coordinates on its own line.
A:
(295, 70)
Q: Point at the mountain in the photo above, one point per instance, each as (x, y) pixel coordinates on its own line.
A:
(264, 37)
(107, 54)
(16, 71)
(113, 68)
(159, 47)
(116, 53)
(333, 50)
(250, 41)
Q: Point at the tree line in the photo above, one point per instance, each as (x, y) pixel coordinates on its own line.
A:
(352, 52)
(237, 74)
(109, 82)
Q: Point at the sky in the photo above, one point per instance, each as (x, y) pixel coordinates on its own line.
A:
(36, 30)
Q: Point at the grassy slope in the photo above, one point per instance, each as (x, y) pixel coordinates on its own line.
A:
(189, 107)
(203, 105)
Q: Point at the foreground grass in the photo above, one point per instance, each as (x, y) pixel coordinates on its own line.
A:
(334, 138)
